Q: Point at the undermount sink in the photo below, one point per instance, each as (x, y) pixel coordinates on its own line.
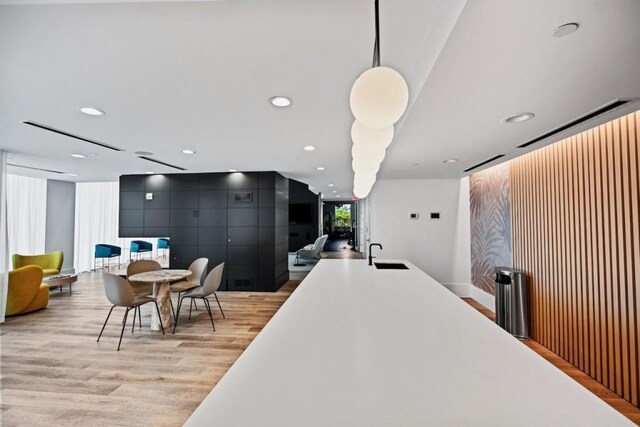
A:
(390, 266)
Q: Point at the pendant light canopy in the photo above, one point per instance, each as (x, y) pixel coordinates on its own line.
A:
(379, 97)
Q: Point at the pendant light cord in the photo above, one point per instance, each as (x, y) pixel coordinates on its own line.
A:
(376, 46)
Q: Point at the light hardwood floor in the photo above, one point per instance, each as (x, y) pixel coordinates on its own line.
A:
(53, 372)
(608, 396)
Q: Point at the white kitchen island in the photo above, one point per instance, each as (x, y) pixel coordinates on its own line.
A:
(357, 346)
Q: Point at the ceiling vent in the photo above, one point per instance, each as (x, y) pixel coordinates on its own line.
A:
(483, 163)
(70, 135)
(35, 169)
(161, 163)
(598, 111)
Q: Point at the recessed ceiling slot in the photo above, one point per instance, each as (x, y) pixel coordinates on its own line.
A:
(70, 135)
(32, 168)
(483, 163)
(598, 111)
(162, 163)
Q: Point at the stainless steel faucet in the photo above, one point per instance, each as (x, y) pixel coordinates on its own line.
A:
(371, 257)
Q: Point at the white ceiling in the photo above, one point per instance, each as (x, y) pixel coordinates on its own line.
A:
(175, 75)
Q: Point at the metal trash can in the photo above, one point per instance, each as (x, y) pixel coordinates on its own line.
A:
(512, 312)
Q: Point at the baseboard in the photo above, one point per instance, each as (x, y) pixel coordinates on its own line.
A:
(460, 289)
(484, 298)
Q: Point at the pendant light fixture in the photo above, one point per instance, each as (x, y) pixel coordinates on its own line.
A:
(378, 99)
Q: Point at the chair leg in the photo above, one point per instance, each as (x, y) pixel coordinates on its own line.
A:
(190, 306)
(195, 306)
(173, 312)
(135, 311)
(208, 307)
(177, 315)
(218, 301)
(159, 316)
(124, 323)
(139, 318)
(105, 322)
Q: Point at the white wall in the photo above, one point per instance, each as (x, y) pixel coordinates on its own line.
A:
(439, 247)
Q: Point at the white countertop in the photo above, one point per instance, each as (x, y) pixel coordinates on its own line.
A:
(357, 346)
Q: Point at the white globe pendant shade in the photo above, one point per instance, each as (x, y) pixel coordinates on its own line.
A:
(365, 167)
(362, 185)
(379, 97)
(378, 139)
(366, 155)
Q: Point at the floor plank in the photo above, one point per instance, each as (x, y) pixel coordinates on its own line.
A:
(53, 372)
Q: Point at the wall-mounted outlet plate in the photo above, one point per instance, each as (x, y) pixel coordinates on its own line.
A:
(148, 196)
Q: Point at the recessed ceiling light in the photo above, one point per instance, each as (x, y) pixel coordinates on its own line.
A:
(92, 111)
(280, 101)
(566, 29)
(233, 170)
(143, 153)
(522, 117)
(449, 160)
(72, 174)
(79, 156)
(149, 172)
(331, 185)
(187, 151)
(321, 168)
(309, 148)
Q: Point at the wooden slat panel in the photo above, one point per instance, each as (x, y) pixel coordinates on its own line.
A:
(576, 231)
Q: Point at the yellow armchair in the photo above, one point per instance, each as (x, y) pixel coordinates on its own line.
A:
(26, 291)
(51, 263)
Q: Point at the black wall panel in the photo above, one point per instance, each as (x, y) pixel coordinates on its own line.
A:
(132, 218)
(213, 217)
(211, 199)
(132, 200)
(160, 200)
(157, 183)
(240, 219)
(184, 218)
(184, 199)
(300, 197)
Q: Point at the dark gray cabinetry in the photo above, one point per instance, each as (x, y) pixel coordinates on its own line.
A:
(237, 218)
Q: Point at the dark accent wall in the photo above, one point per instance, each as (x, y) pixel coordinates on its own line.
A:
(239, 218)
(490, 195)
(303, 233)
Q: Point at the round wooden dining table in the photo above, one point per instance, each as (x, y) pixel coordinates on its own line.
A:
(162, 292)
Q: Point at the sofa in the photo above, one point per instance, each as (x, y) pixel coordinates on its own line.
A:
(51, 262)
(26, 292)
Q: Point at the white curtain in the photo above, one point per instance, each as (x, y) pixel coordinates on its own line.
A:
(4, 244)
(26, 214)
(96, 221)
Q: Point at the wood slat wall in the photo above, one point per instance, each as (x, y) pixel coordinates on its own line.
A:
(576, 231)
